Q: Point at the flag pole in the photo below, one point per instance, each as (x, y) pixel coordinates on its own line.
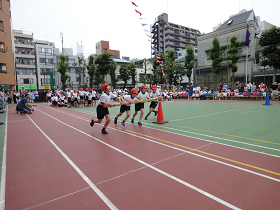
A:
(246, 64)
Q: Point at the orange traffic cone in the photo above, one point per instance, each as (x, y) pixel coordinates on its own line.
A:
(160, 119)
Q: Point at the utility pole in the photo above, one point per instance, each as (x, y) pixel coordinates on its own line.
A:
(61, 36)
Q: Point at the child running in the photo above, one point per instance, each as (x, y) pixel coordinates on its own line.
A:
(101, 111)
(153, 95)
(126, 107)
(142, 97)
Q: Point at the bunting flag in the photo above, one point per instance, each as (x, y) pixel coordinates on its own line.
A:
(149, 39)
(134, 4)
(138, 12)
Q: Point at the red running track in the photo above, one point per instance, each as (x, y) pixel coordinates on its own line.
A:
(39, 176)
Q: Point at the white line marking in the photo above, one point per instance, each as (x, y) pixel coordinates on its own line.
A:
(237, 167)
(152, 167)
(57, 198)
(3, 173)
(176, 133)
(17, 120)
(210, 114)
(98, 192)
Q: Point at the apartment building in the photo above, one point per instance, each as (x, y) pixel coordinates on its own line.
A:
(170, 36)
(45, 66)
(24, 54)
(103, 46)
(7, 73)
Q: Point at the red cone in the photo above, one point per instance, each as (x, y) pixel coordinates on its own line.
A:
(160, 119)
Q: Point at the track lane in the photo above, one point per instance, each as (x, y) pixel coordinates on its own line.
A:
(248, 177)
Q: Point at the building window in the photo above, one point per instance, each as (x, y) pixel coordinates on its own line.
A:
(46, 60)
(1, 24)
(26, 81)
(2, 47)
(44, 71)
(25, 71)
(45, 81)
(3, 68)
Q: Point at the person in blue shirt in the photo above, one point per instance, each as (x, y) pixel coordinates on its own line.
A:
(32, 94)
(190, 92)
(23, 107)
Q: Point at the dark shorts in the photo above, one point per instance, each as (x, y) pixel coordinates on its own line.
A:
(89, 101)
(76, 99)
(139, 106)
(93, 98)
(124, 108)
(55, 103)
(49, 98)
(86, 97)
(62, 101)
(81, 97)
(190, 94)
(153, 104)
(101, 112)
(69, 99)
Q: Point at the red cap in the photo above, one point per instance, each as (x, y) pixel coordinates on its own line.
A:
(86, 88)
(74, 90)
(93, 88)
(154, 87)
(143, 86)
(134, 91)
(68, 88)
(234, 88)
(81, 88)
(104, 86)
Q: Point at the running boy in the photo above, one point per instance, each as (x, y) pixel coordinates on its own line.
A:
(101, 111)
(126, 106)
(142, 97)
(153, 95)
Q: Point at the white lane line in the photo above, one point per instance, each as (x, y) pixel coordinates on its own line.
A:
(18, 120)
(57, 198)
(210, 114)
(187, 151)
(3, 173)
(152, 167)
(98, 192)
(183, 134)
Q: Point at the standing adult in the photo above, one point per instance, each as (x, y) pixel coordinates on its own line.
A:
(15, 96)
(2, 99)
(190, 89)
(36, 96)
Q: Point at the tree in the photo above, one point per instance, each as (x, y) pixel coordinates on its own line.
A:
(80, 67)
(62, 68)
(215, 55)
(270, 40)
(132, 72)
(91, 69)
(105, 64)
(157, 76)
(232, 54)
(113, 65)
(180, 72)
(169, 66)
(124, 74)
(189, 61)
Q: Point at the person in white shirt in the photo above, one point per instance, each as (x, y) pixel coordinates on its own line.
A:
(154, 95)
(81, 94)
(49, 95)
(93, 93)
(76, 98)
(142, 97)
(86, 96)
(68, 94)
(127, 99)
(102, 108)
(89, 99)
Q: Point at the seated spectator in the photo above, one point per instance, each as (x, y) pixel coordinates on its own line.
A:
(23, 107)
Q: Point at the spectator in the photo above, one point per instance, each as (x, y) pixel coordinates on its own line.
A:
(220, 87)
(15, 97)
(253, 87)
(36, 96)
(225, 87)
(2, 99)
(23, 107)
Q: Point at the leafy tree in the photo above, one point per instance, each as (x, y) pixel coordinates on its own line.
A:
(105, 64)
(80, 67)
(270, 40)
(112, 73)
(189, 61)
(157, 76)
(180, 72)
(169, 66)
(232, 54)
(62, 68)
(215, 55)
(124, 74)
(91, 69)
(132, 72)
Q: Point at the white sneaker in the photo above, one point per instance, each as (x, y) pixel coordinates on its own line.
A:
(4, 110)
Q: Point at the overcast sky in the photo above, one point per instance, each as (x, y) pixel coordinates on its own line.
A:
(117, 22)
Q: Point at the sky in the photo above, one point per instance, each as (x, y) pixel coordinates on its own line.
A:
(89, 21)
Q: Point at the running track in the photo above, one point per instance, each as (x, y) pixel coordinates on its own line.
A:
(55, 160)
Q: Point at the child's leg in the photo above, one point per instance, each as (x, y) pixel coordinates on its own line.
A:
(141, 114)
(108, 119)
(135, 113)
(118, 115)
(127, 115)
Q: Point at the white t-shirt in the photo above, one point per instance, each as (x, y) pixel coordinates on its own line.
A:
(90, 97)
(127, 98)
(68, 94)
(93, 93)
(81, 93)
(154, 95)
(86, 93)
(105, 98)
(75, 95)
(142, 96)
